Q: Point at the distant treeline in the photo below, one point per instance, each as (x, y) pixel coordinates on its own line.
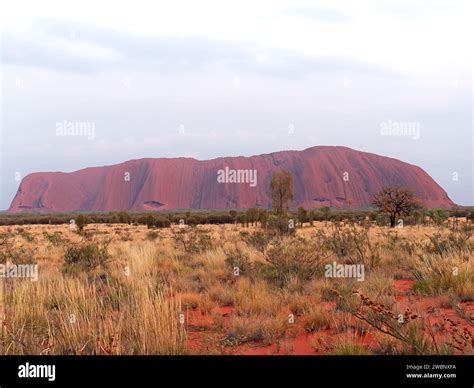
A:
(247, 217)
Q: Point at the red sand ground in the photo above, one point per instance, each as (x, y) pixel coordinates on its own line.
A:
(202, 327)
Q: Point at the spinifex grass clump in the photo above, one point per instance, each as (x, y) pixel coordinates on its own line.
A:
(239, 261)
(352, 245)
(85, 257)
(293, 257)
(436, 275)
(456, 241)
(258, 240)
(56, 239)
(11, 252)
(192, 240)
(445, 264)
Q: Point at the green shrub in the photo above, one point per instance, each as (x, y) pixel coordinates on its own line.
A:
(85, 257)
(258, 240)
(470, 216)
(124, 218)
(291, 257)
(353, 245)
(237, 258)
(280, 225)
(81, 222)
(54, 239)
(456, 241)
(162, 222)
(192, 240)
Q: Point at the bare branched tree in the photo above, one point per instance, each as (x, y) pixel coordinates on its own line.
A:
(396, 202)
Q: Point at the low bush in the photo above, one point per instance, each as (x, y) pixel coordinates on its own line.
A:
(85, 257)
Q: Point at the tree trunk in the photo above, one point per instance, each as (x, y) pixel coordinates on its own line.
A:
(393, 218)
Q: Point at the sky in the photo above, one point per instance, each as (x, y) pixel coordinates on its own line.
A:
(96, 83)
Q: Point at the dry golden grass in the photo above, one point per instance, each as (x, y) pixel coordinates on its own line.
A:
(256, 298)
(136, 301)
(72, 316)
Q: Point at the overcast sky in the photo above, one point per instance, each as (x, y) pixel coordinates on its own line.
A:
(223, 78)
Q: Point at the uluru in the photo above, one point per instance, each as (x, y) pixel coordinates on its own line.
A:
(332, 176)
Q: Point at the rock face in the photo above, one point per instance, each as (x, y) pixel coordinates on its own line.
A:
(322, 176)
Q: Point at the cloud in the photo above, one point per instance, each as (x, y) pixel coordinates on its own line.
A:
(414, 10)
(320, 14)
(84, 49)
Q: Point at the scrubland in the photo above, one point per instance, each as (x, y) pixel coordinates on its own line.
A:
(224, 289)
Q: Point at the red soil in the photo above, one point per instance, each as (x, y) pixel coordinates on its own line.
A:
(202, 327)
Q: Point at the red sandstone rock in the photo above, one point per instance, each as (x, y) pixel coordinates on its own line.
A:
(186, 183)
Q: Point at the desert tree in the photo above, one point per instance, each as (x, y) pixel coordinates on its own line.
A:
(233, 214)
(439, 216)
(81, 222)
(263, 217)
(281, 194)
(123, 217)
(252, 215)
(281, 191)
(242, 219)
(396, 202)
(150, 221)
(418, 217)
(302, 215)
(326, 210)
(470, 216)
